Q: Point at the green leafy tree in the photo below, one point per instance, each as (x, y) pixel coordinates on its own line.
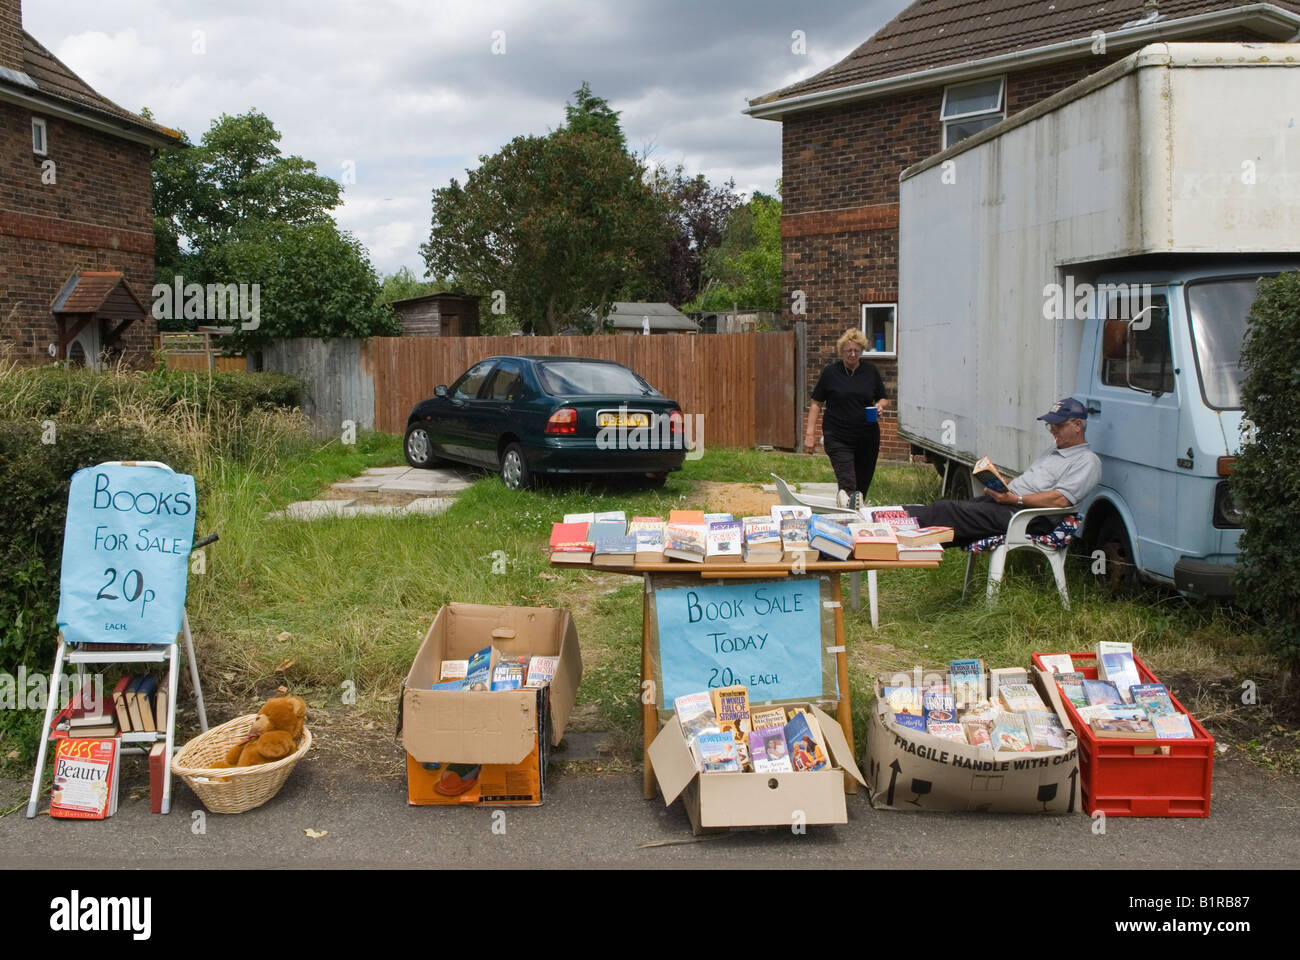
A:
(234, 209)
(697, 214)
(744, 269)
(1266, 479)
(592, 114)
(404, 284)
(313, 281)
(560, 224)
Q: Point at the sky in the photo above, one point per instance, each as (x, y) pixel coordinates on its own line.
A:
(394, 98)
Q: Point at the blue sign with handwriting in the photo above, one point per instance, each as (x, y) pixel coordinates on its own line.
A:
(126, 549)
(764, 635)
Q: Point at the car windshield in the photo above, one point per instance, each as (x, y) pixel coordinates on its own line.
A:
(563, 378)
(1218, 311)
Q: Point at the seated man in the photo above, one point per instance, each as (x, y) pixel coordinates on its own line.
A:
(1062, 475)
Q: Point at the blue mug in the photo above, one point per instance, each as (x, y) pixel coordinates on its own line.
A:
(873, 415)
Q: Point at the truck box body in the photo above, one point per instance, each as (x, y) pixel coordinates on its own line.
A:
(1180, 162)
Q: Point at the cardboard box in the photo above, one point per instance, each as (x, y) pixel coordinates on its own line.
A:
(909, 770)
(723, 800)
(507, 734)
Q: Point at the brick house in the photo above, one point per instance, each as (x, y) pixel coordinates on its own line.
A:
(76, 211)
(938, 72)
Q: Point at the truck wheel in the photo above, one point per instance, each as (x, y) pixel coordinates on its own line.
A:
(959, 483)
(1119, 575)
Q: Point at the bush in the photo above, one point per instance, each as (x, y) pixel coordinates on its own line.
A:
(1266, 480)
(83, 395)
(35, 477)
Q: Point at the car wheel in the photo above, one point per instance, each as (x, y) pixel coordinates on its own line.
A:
(960, 486)
(418, 447)
(1119, 572)
(514, 468)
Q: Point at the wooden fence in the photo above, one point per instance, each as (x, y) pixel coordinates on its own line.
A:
(743, 384)
(196, 351)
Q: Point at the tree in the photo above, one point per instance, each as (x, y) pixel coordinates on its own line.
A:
(560, 224)
(745, 268)
(313, 281)
(403, 284)
(1266, 477)
(697, 214)
(233, 209)
(592, 114)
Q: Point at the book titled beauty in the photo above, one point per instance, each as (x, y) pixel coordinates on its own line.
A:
(85, 778)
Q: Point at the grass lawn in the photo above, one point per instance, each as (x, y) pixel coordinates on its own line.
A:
(326, 606)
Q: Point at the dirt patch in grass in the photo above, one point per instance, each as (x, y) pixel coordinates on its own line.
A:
(1259, 716)
(737, 499)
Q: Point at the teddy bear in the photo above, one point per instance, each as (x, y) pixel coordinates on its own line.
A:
(274, 735)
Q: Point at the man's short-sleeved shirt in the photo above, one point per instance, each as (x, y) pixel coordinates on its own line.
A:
(1073, 471)
(846, 397)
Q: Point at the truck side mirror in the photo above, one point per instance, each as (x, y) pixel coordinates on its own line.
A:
(1114, 340)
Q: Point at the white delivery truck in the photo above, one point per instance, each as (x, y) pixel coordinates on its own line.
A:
(1106, 244)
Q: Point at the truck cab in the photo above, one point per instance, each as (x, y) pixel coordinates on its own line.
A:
(1160, 373)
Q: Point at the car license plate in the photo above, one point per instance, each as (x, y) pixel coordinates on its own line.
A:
(622, 420)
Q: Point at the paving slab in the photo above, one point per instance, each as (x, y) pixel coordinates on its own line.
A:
(374, 510)
(361, 485)
(311, 509)
(389, 472)
(429, 505)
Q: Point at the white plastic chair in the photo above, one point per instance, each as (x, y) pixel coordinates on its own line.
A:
(830, 505)
(1016, 538)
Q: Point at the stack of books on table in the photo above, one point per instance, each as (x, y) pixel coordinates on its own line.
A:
(786, 535)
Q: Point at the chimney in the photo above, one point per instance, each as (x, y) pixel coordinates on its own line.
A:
(11, 35)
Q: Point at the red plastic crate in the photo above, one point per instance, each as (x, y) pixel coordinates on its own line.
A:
(1123, 778)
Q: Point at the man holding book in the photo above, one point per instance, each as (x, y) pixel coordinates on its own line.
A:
(1063, 475)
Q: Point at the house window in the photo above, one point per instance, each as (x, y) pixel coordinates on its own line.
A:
(970, 107)
(39, 141)
(879, 323)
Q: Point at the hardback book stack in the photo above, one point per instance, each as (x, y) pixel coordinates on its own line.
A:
(726, 735)
(1117, 703)
(995, 710)
(136, 704)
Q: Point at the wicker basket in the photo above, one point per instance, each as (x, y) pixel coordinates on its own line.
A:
(232, 789)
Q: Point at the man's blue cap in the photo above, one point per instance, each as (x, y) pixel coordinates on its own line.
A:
(1067, 409)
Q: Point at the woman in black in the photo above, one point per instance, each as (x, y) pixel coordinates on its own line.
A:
(854, 397)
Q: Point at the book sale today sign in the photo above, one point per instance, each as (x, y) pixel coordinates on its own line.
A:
(764, 635)
(126, 546)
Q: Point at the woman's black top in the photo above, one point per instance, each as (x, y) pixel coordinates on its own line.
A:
(846, 397)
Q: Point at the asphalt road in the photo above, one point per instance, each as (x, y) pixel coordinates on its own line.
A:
(599, 821)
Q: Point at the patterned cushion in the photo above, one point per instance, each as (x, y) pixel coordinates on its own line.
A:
(1061, 536)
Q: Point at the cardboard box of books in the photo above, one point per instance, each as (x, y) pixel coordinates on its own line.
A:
(487, 696)
(797, 769)
(929, 748)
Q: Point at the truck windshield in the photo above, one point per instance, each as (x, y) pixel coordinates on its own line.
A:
(1218, 311)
